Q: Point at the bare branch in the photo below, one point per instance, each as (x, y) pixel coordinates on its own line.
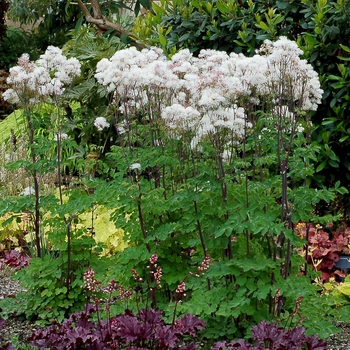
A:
(96, 9)
(104, 24)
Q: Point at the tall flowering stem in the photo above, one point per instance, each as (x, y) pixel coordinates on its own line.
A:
(153, 282)
(156, 273)
(201, 236)
(181, 288)
(180, 293)
(30, 128)
(142, 223)
(290, 83)
(33, 83)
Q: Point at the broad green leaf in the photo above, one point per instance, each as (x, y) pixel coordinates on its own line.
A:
(321, 166)
(162, 40)
(344, 288)
(264, 26)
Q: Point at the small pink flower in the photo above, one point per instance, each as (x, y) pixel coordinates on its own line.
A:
(89, 280)
(112, 286)
(205, 264)
(124, 294)
(181, 288)
(158, 276)
(136, 276)
(153, 259)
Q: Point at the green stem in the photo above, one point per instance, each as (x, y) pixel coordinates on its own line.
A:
(69, 249)
(200, 232)
(142, 223)
(36, 186)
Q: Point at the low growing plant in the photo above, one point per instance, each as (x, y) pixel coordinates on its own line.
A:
(340, 293)
(324, 246)
(15, 260)
(47, 296)
(273, 337)
(145, 329)
(12, 232)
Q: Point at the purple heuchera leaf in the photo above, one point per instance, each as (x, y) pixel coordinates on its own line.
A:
(79, 336)
(296, 336)
(313, 343)
(15, 259)
(167, 336)
(234, 345)
(269, 336)
(219, 345)
(151, 316)
(264, 332)
(189, 324)
(131, 329)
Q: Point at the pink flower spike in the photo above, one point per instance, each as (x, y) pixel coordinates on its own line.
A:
(205, 264)
(181, 288)
(153, 259)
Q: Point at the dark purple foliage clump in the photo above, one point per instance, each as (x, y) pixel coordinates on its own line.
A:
(145, 330)
(270, 336)
(15, 260)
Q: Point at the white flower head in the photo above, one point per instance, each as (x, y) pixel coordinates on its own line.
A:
(135, 166)
(121, 130)
(61, 136)
(300, 128)
(179, 117)
(11, 96)
(226, 155)
(28, 191)
(101, 123)
(30, 81)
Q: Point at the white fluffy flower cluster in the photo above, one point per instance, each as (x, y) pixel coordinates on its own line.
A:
(31, 81)
(61, 136)
(138, 78)
(28, 191)
(179, 117)
(293, 76)
(101, 123)
(202, 94)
